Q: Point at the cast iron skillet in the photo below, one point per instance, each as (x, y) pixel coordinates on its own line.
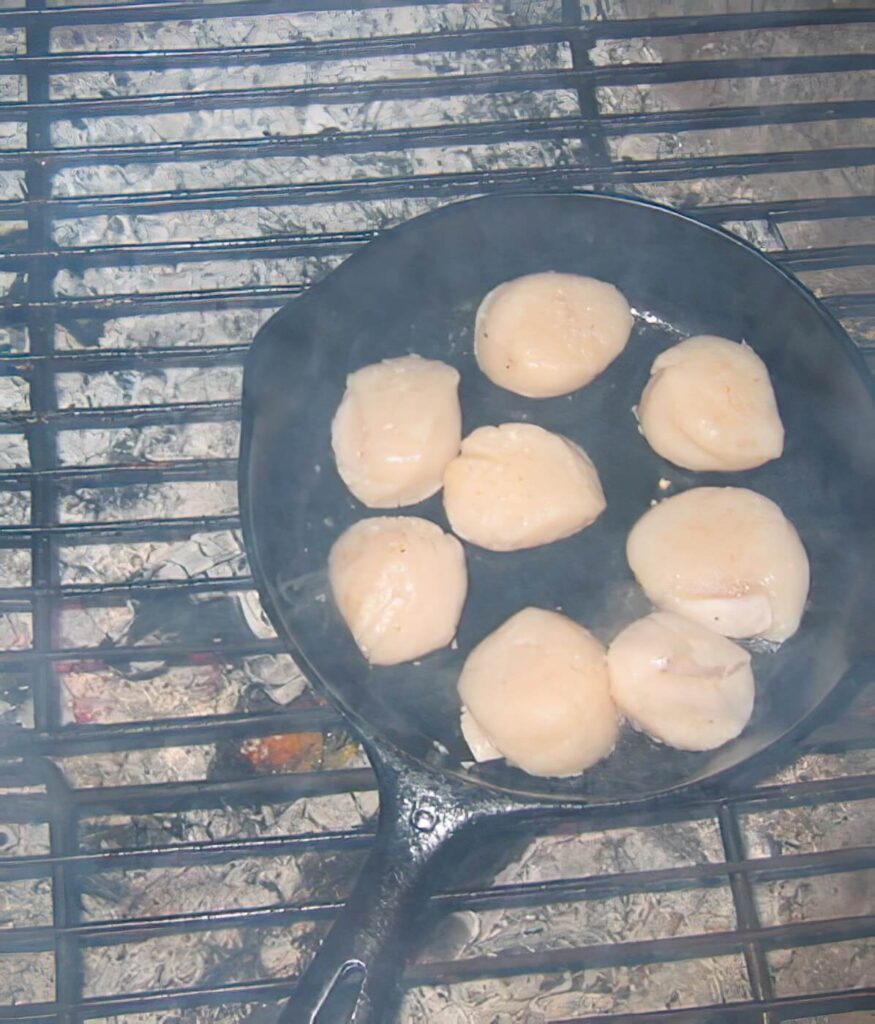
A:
(416, 289)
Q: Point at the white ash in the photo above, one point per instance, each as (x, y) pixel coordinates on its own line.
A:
(292, 121)
(211, 225)
(862, 331)
(256, 617)
(14, 394)
(14, 508)
(539, 998)
(178, 961)
(11, 180)
(807, 234)
(162, 330)
(714, 142)
(304, 25)
(14, 452)
(285, 952)
(25, 902)
(744, 44)
(227, 1013)
(13, 88)
(830, 183)
(94, 627)
(16, 711)
(13, 135)
(14, 339)
(105, 84)
(148, 501)
(812, 767)
(144, 691)
(258, 171)
(15, 567)
(10, 280)
(183, 961)
(136, 767)
(27, 978)
(809, 828)
(841, 281)
(630, 918)
(621, 10)
(278, 676)
(195, 276)
(824, 968)
(157, 387)
(12, 38)
(761, 233)
(22, 839)
(16, 631)
(148, 444)
(338, 812)
(98, 692)
(229, 954)
(616, 851)
(248, 882)
(207, 555)
(816, 898)
(825, 87)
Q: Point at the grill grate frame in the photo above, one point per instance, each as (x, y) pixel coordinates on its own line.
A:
(37, 306)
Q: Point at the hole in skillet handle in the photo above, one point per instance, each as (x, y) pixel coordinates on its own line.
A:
(339, 1001)
(355, 975)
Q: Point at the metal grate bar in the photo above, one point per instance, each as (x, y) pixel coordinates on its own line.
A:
(787, 1008)
(161, 10)
(274, 246)
(745, 905)
(596, 29)
(389, 140)
(687, 947)
(424, 185)
(114, 932)
(35, 247)
(275, 989)
(122, 653)
(114, 476)
(461, 85)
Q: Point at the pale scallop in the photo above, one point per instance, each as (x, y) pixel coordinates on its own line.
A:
(709, 405)
(518, 486)
(725, 557)
(682, 684)
(549, 334)
(398, 425)
(536, 692)
(399, 582)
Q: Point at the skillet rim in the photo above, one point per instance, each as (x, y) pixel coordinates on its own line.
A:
(370, 731)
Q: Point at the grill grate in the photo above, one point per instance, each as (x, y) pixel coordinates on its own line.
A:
(172, 173)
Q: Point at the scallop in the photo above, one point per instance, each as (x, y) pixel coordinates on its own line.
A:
(709, 405)
(396, 428)
(400, 583)
(518, 486)
(549, 334)
(725, 557)
(681, 683)
(536, 692)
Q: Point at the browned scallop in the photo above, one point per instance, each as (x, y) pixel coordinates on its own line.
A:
(400, 584)
(518, 486)
(681, 683)
(536, 692)
(549, 334)
(725, 557)
(709, 405)
(398, 425)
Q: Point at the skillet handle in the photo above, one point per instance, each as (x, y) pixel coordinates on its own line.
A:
(354, 977)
